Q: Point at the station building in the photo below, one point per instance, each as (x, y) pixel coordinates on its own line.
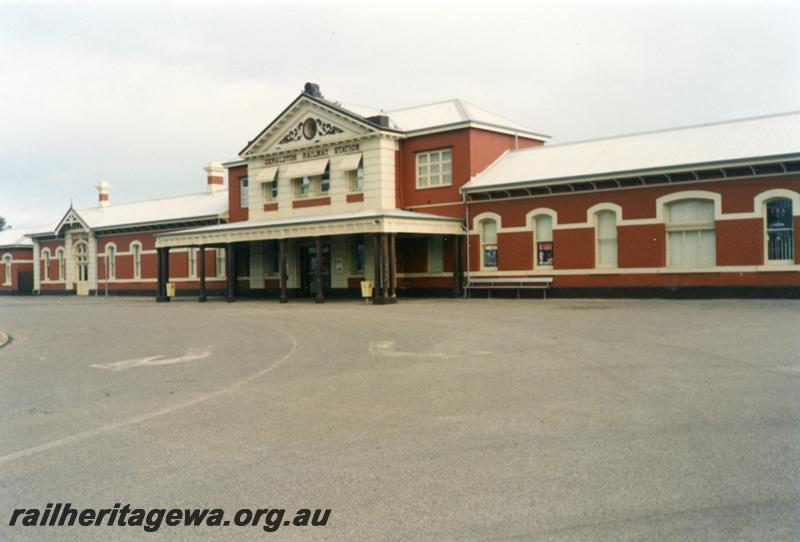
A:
(448, 198)
(16, 262)
(705, 210)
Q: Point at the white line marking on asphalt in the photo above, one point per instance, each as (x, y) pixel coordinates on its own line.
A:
(150, 361)
(386, 348)
(144, 417)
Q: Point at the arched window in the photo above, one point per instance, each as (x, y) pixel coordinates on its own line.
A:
(81, 252)
(7, 261)
(489, 244)
(46, 264)
(62, 263)
(691, 238)
(136, 252)
(111, 261)
(221, 263)
(543, 240)
(606, 227)
(780, 230)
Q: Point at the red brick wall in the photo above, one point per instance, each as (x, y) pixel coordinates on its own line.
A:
(641, 246)
(18, 255)
(514, 251)
(473, 151)
(740, 242)
(573, 249)
(237, 213)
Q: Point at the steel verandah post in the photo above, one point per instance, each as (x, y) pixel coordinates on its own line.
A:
(282, 270)
(230, 264)
(318, 247)
(160, 275)
(377, 289)
(202, 269)
(393, 268)
(385, 268)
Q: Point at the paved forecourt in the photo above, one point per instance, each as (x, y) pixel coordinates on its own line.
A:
(426, 420)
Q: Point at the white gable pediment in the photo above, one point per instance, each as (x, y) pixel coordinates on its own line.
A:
(72, 221)
(305, 124)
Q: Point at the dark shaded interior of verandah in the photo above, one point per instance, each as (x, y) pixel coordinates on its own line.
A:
(384, 277)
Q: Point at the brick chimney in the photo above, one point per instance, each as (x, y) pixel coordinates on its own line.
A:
(102, 194)
(216, 177)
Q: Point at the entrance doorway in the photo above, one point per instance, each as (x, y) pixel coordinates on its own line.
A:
(308, 268)
(81, 252)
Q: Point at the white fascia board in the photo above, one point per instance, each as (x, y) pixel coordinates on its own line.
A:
(157, 222)
(479, 125)
(234, 163)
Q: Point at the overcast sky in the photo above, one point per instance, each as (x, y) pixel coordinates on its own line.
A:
(143, 95)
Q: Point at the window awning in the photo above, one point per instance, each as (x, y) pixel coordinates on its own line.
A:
(266, 175)
(303, 169)
(348, 162)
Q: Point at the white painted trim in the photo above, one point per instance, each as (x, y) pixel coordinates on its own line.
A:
(663, 201)
(776, 193)
(592, 211)
(593, 217)
(477, 219)
(487, 216)
(758, 211)
(530, 216)
(443, 274)
(645, 270)
(428, 165)
(432, 205)
(8, 262)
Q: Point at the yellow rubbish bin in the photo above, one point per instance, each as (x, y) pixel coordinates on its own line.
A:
(170, 289)
(366, 289)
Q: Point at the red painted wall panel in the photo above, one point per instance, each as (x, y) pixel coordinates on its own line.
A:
(641, 246)
(740, 242)
(515, 251)
(458, 142)
(573, 249)
(237, 213)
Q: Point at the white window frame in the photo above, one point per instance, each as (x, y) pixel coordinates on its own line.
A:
(299, 182)
(355, 177)
(220, 263)
(423, 161)
(767, 230)
(269, 190)
(8, 261)
(244, 192)
(536, 241)
(488, 245)
(689, 228)
(62, 263)
(137, 258)
(599, 239)
(111, 261)
(45, 260)
(81, 260)
(191, 262)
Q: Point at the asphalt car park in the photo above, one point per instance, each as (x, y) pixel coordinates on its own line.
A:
(425, 420)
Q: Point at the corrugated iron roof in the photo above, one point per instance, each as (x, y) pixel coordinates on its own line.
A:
(174, 209)
(677, 148)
